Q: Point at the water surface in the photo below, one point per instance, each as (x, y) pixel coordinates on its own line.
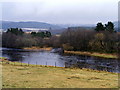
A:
(56, 59)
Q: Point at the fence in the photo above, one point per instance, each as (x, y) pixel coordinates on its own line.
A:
(46, 64)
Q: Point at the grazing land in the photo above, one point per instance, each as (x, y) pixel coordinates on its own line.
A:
(32, 76)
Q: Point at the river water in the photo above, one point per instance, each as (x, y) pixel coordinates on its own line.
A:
(61, 60)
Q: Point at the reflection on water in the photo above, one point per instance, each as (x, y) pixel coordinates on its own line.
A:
(45, 57)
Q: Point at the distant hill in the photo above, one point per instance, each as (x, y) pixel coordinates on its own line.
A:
(77, 25)
(55, 29)
(117, 25)
(28, 24)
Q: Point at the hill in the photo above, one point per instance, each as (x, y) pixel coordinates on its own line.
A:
(55, 29)
(28, 24)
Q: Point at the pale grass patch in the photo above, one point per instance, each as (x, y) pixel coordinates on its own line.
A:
(104, 55)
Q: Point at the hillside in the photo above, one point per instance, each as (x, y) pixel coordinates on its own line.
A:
(28, 24)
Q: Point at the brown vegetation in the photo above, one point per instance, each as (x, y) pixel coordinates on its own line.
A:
(38, 48)
(70, 40)
(104, 55)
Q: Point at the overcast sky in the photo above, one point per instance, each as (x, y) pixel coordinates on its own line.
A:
(60, 11)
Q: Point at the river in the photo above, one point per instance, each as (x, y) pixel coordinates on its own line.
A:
(56, 59)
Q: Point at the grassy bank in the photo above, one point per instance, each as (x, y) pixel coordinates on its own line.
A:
(32, 76)
(38, 48)
(103, 55)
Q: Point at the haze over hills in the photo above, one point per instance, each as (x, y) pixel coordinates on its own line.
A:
(28, 24)
(54, 28)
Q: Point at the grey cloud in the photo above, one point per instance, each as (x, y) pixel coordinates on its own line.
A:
(59, 13)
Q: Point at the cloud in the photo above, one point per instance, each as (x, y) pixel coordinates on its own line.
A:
(61, 11)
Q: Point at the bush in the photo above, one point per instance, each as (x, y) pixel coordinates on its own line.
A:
(67, 47)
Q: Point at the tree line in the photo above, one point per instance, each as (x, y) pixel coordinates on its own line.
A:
(16, 38)
(102, 39)
(107, 27)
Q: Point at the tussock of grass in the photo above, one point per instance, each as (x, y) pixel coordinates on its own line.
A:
(104, 55)
(32, 76)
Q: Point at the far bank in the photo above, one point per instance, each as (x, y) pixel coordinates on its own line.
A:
(96, 54)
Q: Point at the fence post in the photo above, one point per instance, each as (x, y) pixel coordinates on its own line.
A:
(36, 63)
(28, 63)
(65, 65)
(46, 64)
(21, 62)
(55, 64)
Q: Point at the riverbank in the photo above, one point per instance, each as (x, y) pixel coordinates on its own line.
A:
(32, 76)
(96, 54)
(38, 48)
(103, 55)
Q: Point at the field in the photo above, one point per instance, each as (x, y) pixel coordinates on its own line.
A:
(32, 76)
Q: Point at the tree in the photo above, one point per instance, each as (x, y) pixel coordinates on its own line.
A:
(48, 34)
(109, 27)
(76, 39)
(20, 31)
(98, 44)
(33, 33)
(15, 31)
(100, 27)
(41, 34)
(8, 40)
(38, 34)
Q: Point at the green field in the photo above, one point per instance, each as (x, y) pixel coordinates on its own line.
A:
(32, 76)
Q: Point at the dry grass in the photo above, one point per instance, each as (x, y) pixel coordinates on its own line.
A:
(104, 55)
(33, 76)
(38, 48)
